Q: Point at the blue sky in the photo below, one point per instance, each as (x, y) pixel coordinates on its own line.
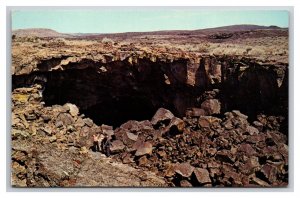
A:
(113, 20)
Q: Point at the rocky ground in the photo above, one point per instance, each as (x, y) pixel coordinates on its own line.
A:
(200, 108)
(51, 147)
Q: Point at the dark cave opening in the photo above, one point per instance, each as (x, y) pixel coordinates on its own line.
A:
(110, 99)
(116, 111)
(112, 111)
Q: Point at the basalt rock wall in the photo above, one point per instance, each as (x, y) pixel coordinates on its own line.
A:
(113, 90)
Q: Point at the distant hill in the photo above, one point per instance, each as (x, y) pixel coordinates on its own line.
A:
(243, 27)
(39, 32)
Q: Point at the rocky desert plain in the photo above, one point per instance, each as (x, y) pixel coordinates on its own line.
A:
(201, 108)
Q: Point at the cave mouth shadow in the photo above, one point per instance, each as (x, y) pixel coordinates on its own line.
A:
(112, 111)
(106, 99)
(116, 111)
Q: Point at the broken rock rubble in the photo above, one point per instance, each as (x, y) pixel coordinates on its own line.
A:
(204, 153)
(51, 147)
(198, 150)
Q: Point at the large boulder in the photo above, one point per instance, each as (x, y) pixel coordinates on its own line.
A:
(205, 122)
(116, 146)
(89, 122)
(162, 115)
(73, 109)
(202, 176)
(143, 149)
(107, 130)
(136, 126)
(65, 118)
(129, 138)
(184, 169)
(211, 106)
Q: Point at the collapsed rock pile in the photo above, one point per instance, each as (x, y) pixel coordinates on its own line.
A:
(51, 147)
(57, 123)
(205, 150)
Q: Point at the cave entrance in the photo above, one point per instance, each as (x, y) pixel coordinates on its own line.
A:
(116, 111)
(110, 99)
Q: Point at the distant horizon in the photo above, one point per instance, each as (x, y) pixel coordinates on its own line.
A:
(113, 20)
(149, 31)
